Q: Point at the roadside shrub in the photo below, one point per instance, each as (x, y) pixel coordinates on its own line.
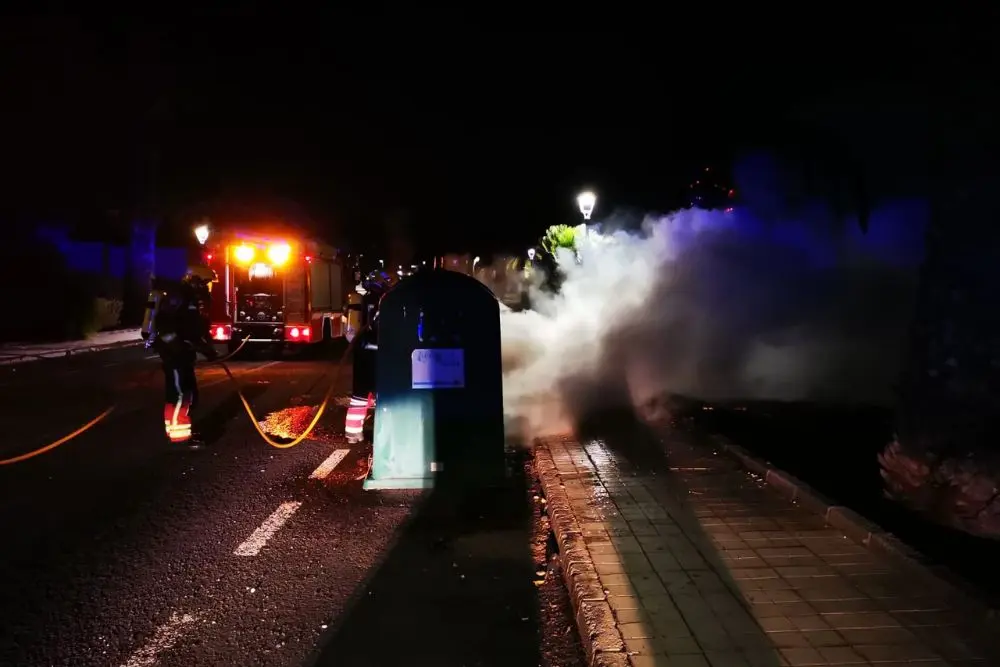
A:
(109, 313)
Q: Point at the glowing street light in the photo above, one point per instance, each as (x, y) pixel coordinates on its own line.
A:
(586, 201)
(201, 233)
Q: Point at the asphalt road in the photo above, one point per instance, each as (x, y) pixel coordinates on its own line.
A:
(121, 549)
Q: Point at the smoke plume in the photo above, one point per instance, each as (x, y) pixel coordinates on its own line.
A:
(718, 306)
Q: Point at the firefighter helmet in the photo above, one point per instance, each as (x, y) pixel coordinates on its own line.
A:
(201, 275)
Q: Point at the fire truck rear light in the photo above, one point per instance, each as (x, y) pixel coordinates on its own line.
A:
(298, 334)
(222, 332)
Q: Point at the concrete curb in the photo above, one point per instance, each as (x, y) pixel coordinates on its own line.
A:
(10, 359)
(595, 621)
(946, 583)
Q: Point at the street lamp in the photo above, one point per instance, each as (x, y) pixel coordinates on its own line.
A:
(201, 233)
(586, 201)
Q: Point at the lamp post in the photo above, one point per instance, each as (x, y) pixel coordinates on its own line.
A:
(586, 201)
(201, 233)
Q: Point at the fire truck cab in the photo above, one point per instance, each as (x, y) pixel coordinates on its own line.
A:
(276, 291)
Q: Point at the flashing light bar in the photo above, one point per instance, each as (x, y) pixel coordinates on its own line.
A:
(279, 253)
(244, 254)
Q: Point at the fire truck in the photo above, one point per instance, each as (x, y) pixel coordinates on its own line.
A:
(276, 290)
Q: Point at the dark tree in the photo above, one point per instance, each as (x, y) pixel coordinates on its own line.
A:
(936, 142)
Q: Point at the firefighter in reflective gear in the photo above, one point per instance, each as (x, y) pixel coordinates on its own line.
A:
(178, 330)
(372, 289)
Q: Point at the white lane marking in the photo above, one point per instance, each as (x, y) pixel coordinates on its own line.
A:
(271, 525)
(152, 356)
(327, 466)
(163, 640)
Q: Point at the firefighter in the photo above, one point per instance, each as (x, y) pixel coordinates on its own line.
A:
(373, 288)
(177, 328)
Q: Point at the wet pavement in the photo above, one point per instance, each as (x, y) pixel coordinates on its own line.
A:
(701, 564)
(120, 549)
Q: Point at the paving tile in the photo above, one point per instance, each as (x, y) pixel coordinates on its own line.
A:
(705, 568)
(894, 636)
(620, 579)
(783, 640)
(618, 602)
(682, 660)
(648, 585)
(861, 621)
(636, 631)
(638, 615)
(802, 656)
(675, 646)
(763, 658)
(841, 655)
(643, 646)
(824, 638)
(620, 590)
(671, 627)
(902, 653)
(726, 659)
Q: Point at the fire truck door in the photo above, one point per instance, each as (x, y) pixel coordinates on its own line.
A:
(295, 295)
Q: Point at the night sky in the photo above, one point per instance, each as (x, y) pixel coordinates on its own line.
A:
(466, 136)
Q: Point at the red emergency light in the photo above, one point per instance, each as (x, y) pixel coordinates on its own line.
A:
(221, 332)
(298, 334)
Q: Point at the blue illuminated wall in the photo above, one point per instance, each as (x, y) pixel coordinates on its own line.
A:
(107, 262)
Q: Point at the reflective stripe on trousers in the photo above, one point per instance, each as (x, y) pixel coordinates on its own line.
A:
(356, 413)
(176, 416)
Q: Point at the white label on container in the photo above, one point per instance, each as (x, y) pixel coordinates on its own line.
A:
(438, 369)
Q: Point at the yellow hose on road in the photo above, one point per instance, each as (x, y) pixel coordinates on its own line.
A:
(91, 424)
(246, 405)
(256, 422)
(319, 412)
(61, 441)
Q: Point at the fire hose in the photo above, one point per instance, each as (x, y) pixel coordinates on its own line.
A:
(316, 417)
(239, 390)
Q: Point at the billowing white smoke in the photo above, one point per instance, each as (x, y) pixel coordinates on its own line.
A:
(717, 306)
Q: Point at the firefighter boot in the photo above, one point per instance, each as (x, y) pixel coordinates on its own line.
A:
(177, 421)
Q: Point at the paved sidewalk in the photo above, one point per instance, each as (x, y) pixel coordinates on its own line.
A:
(17, 353)
(701, 564)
